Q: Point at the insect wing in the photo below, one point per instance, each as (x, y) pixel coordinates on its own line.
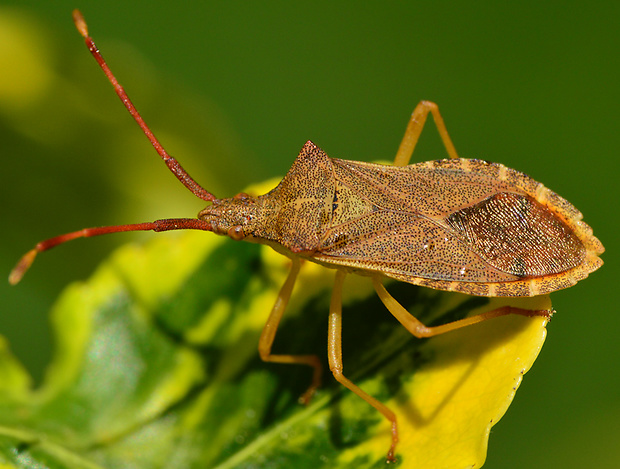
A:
(464, 225)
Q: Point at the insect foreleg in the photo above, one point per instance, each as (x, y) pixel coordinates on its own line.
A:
(269, 333)
(334, 354)
(415, 327)
(414, 129)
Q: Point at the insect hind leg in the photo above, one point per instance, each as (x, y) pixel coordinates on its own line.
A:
(418, 329)
(269, 333)
(414, 129)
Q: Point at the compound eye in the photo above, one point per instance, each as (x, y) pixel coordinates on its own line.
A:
(236, 233)
(241, 196)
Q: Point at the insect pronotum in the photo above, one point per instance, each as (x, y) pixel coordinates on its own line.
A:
(454, 224)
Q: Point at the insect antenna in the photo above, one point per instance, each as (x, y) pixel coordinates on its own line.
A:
(168, 224)
(171, 162)
(158, 225)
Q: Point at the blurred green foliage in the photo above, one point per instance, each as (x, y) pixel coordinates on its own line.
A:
(234, 89)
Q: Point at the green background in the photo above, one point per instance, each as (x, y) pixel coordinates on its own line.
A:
(235, 89)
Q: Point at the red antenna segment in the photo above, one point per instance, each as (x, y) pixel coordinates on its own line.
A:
(172, 163)
(158, 225)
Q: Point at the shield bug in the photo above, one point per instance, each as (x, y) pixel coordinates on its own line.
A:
(455, 224)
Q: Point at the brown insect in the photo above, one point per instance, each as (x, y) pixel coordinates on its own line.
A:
(455, 224)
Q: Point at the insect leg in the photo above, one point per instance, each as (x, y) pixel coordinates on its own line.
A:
(269, 333)
(418, 329)
(414, 129)
(334, 354)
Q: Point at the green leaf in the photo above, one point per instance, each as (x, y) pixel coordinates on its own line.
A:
(156, 366)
